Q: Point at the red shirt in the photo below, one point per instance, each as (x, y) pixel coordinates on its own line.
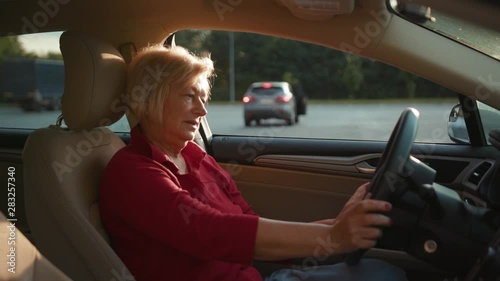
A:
(168, 226)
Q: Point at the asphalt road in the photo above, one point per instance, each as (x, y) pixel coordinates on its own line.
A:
(340, 121)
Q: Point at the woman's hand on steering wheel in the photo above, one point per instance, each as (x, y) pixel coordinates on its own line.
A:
(358, 195)
(358, 224)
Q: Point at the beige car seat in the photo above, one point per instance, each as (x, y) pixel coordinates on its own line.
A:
(63, 166)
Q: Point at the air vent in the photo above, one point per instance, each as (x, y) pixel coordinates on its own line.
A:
(479, 172)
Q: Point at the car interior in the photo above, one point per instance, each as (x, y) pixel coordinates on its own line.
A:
(445, 194)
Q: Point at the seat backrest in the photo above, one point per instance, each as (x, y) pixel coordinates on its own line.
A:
(20, 260)
(63, 166)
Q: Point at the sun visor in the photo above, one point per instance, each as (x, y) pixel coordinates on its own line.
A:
(318, 10)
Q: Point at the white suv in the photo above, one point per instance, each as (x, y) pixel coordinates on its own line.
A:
(265, 100)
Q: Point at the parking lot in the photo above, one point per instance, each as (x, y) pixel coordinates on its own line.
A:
(341, 121)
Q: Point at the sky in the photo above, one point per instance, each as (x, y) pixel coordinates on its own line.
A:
(41, 43)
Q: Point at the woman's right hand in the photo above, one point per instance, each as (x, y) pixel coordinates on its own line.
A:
(358, 225)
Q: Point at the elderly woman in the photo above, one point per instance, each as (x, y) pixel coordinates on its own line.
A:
(173, 214)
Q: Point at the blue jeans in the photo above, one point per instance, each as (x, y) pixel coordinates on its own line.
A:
(367, 269)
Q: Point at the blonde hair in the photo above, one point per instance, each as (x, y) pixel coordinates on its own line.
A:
(156, 69)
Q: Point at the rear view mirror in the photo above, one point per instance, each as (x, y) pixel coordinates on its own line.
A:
(457, 129)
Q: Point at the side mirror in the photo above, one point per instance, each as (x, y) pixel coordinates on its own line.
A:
(457, 129)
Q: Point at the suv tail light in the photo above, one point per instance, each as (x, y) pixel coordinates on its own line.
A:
(248, 98)
(283, 99)
(267, 85)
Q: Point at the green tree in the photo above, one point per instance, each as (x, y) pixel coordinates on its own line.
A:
(410, 83)
(379, 80)
(53, 56)
(288, 77)
(11, 47)
(194, 40)
(217, 43)
(352, 76)
(323, 73)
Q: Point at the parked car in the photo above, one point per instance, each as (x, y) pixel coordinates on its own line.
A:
(265, 100)
(295, 178)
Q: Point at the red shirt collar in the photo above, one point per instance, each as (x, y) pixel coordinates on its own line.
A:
(193, 154)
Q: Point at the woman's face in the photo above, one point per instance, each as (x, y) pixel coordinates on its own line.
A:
(182, 113)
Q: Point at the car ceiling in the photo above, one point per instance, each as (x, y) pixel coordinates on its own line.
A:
(398, 43)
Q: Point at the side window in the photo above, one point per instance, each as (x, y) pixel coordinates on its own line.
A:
(32, 82)
(338, 95)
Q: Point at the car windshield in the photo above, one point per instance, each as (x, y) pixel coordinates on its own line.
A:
(267, 91)
(460, 23)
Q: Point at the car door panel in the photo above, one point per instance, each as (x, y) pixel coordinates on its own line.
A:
(306, 181)
(313, 159)
(293, 195)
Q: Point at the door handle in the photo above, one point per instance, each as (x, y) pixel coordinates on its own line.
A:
(365, 168)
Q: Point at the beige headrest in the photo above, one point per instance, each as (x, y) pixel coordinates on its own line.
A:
(95, 75)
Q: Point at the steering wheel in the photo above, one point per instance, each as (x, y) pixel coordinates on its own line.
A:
(391, 168)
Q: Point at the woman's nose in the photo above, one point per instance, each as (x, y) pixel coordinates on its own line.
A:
(199, 108)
